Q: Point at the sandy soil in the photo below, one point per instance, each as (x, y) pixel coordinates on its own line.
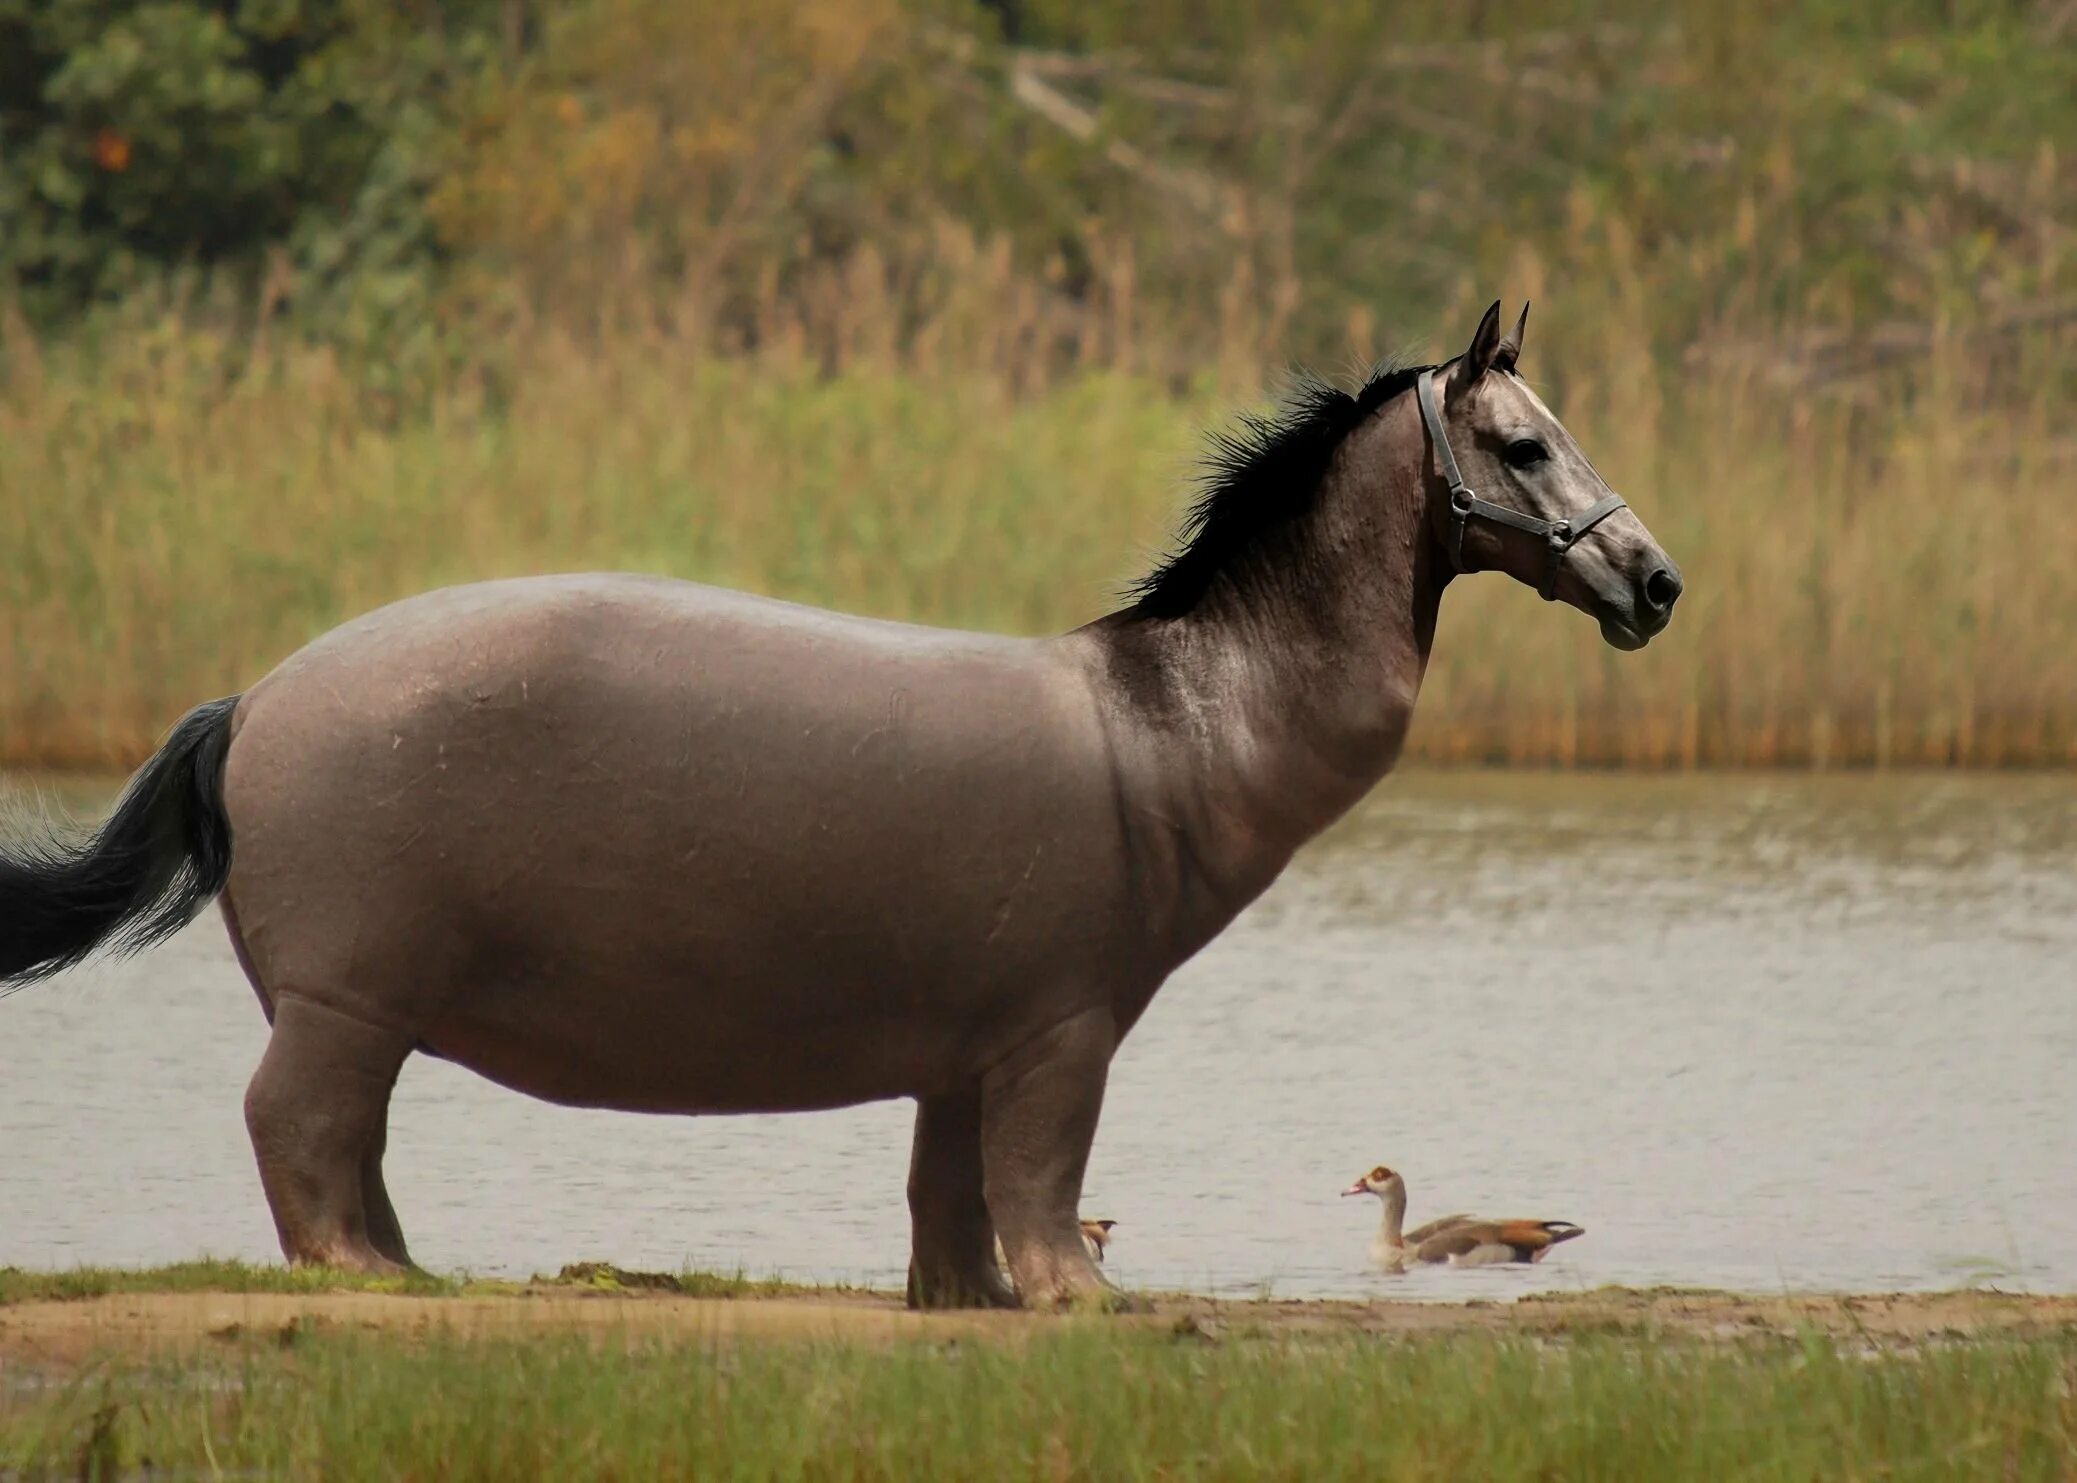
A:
(45, 1333)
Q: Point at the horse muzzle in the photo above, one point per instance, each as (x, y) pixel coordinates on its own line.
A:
(1633, 619)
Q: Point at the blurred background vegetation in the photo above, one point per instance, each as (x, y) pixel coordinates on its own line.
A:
(917, 307)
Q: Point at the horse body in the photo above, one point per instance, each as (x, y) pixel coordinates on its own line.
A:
(632, 843)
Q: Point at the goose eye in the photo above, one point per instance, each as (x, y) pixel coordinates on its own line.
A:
(1525, 453)
(1380, 1173)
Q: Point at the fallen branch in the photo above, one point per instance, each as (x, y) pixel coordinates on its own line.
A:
(1031, 91)
(1078, 122)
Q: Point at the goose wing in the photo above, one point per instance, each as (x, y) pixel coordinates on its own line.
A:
(1419, 1234)
(1481, 1242)
(1455, 1242)
(1535, 1237)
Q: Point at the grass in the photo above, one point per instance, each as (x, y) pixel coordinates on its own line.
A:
(1089, 1400)
(1615, 1383)
(209, 1275)
(1868, 584)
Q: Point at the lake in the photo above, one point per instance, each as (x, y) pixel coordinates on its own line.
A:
(1752, 1032)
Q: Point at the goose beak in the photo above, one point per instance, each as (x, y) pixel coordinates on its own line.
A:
(1358, 1188)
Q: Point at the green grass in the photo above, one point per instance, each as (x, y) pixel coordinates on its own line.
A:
(19, 1285)
(1090, 1400)
(207, 1274)
(690, 1283)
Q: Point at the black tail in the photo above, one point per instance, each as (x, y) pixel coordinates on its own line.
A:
(153, 864)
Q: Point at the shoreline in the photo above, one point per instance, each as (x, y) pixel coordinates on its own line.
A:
(42, 1330)
(567, 1377)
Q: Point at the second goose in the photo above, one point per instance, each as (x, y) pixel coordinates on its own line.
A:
(1459, 1240)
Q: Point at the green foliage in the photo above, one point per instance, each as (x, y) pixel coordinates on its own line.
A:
(910, 306)
(1844, 162)
(140, 137)
(1838, 163)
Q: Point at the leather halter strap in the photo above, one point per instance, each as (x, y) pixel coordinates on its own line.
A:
(1559, 536)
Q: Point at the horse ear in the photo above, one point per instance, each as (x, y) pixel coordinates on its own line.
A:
(1510, 352)
(1485, 344)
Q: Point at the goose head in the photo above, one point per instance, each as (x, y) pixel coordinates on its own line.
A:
(1380, 1181)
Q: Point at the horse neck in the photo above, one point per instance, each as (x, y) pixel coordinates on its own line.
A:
(1277, 703)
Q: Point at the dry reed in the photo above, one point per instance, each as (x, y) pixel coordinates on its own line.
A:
(1873, 580)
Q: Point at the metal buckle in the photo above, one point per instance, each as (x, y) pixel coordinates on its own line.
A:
(1461, 500)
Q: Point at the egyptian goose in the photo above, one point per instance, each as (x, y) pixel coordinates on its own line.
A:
(1459, 1240)
(1096, 1235)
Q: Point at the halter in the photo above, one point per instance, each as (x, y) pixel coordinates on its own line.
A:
(1559, 536)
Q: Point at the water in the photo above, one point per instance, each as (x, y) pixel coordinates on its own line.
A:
(1754, 1033)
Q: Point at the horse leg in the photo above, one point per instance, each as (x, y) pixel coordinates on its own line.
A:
(952, 1263)
(1038, 1117)
(385, 1233)
(316, 1109)
(252, 974)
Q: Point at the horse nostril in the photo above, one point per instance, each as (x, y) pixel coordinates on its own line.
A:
(1662, 588)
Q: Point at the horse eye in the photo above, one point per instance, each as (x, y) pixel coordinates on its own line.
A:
(1525, 452)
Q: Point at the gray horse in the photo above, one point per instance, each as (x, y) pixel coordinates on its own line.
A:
(623, 842)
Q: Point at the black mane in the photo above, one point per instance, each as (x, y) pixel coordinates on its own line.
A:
(1259, 476)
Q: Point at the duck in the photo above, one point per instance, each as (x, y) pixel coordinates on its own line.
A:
(1458, 1240)
(1096, 1237)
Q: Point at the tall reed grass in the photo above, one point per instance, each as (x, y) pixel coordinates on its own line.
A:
(1885, 580)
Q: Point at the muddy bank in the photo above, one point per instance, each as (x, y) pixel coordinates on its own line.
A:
(47, 1332)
